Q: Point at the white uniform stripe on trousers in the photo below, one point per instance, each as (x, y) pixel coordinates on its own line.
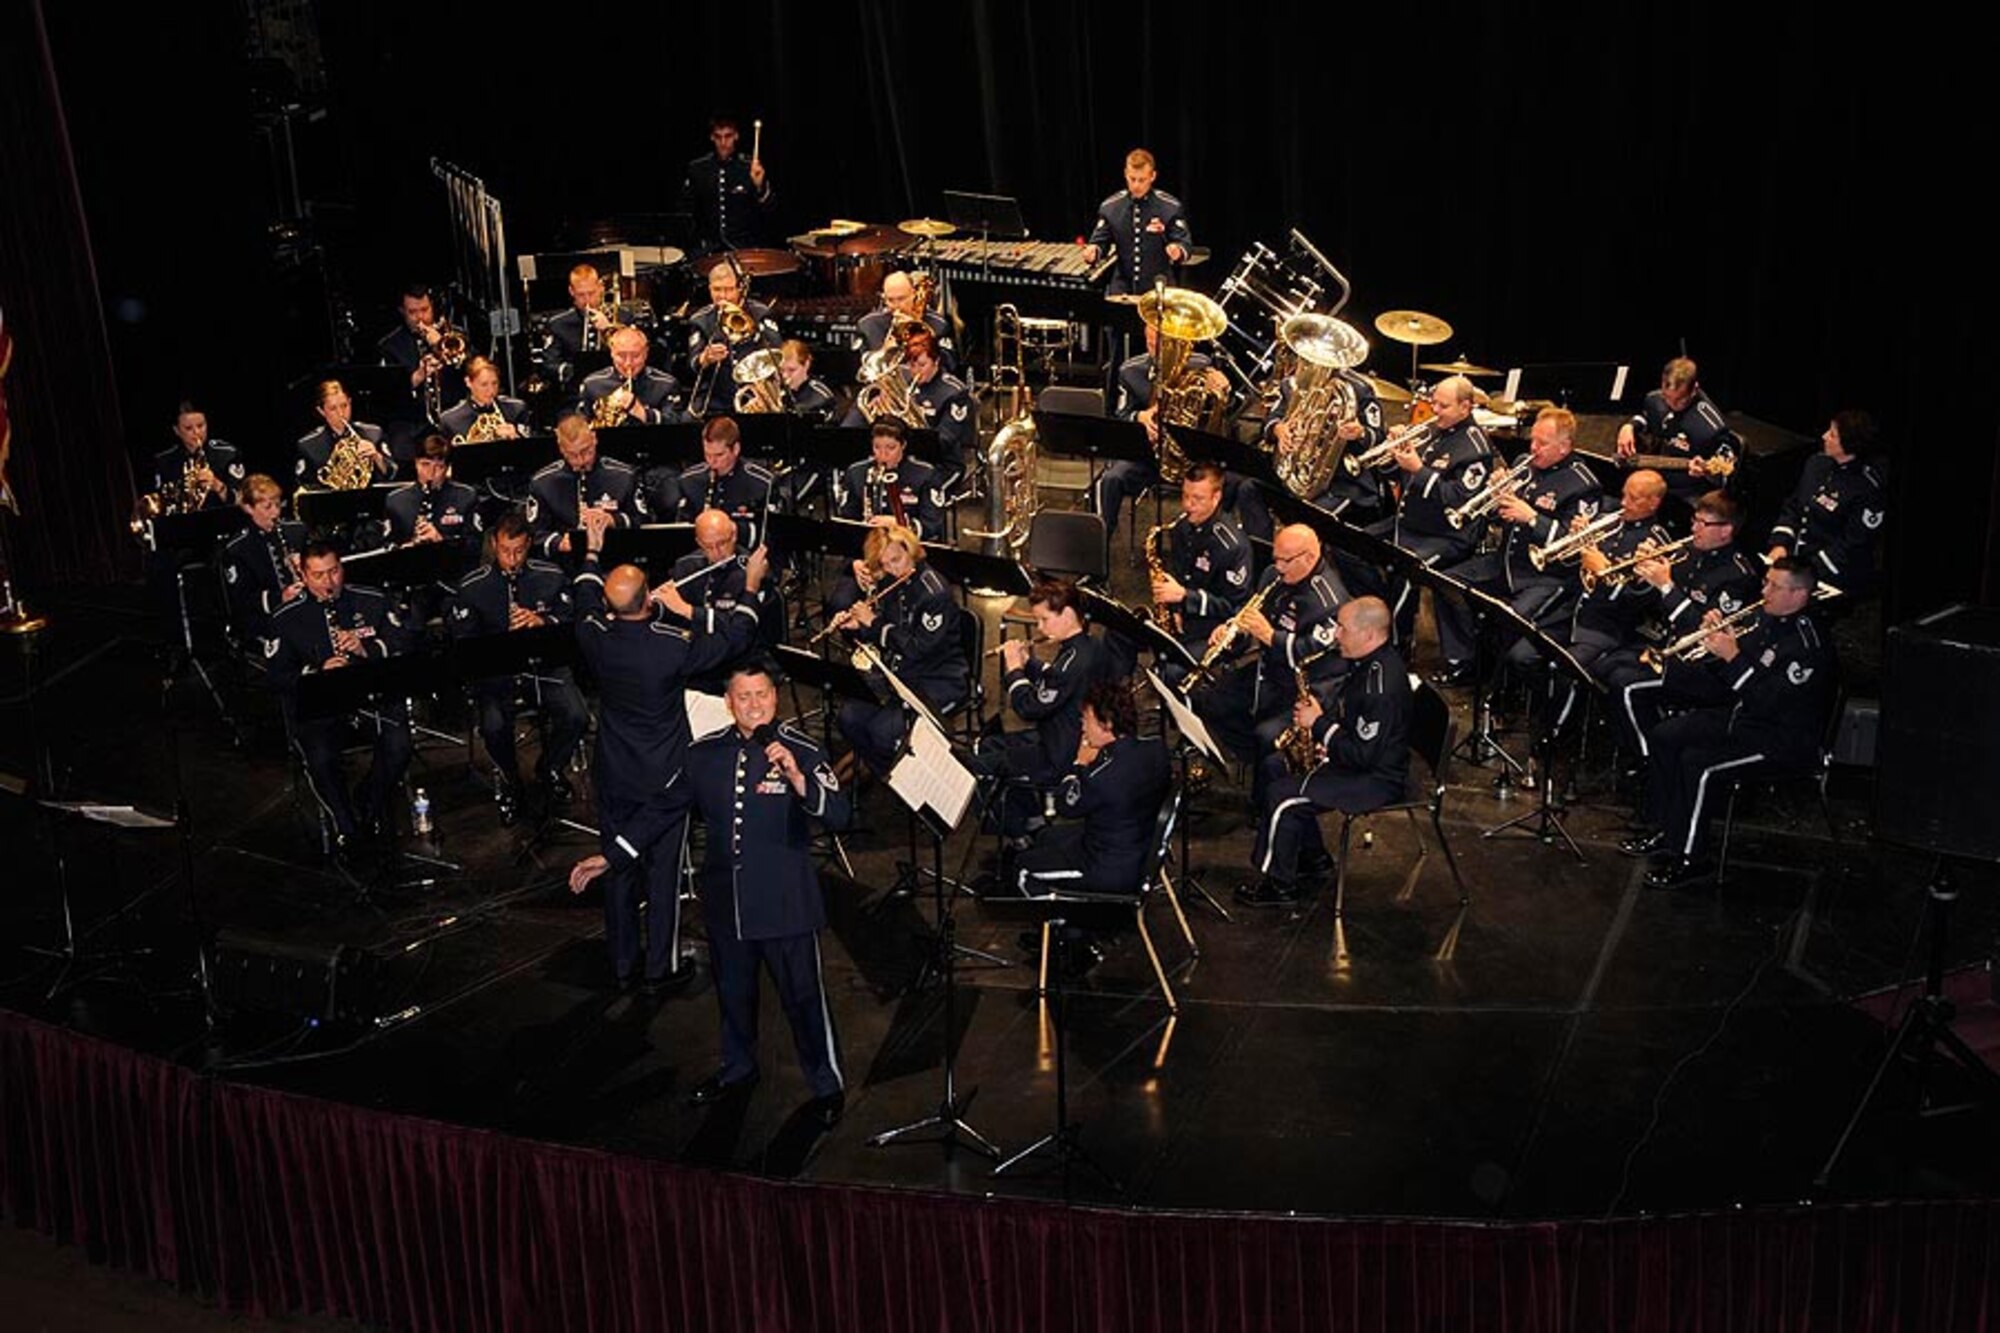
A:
(1701, 794)
(1271, 833)
(1645, 750)
(826, 1018)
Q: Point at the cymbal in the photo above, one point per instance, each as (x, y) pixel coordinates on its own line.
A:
(1122, 298)
(840, 227)
(1458, 367)
(1412, 326)
(1387, 391)
(925, 227)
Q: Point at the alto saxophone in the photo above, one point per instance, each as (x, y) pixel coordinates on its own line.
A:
(1232, 629)
(1295, 742)
(1156, 569)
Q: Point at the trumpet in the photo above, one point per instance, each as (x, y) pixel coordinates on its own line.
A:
(1619, 572)
(842, 621)
(1416, 434)
(1688, 648)
(1572, 545)
(1497, 489)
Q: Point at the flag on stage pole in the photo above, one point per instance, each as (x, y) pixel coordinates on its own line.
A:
(6, 427)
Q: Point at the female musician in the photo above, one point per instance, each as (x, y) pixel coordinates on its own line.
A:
(909, 621)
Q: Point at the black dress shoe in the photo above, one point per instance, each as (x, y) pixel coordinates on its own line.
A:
(1075, 961)
(826, 1111)
(1268, 892)
(508, 802)
(626, 983)
(668, 983)
(714, 1088)
(556, 783)
(1453, 674)
(1667, 874)
(1644, 844)
(1319, 867)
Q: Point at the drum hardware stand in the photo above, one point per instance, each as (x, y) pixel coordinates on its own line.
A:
(1925, 1032)
(1064, 1143)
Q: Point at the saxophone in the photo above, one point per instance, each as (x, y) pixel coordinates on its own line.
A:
(1204, 670)
(1295, 742)
(1156, 569)
(350, 466)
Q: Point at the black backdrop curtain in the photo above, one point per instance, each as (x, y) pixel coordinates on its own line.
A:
(270, 1202)
(68, 465)
(1787, 192)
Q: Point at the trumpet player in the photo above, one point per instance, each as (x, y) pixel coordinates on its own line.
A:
(260, 565)
(336, 413)
(1776, 686)
(1048, 694)
(628, 389)
(1363, 739)
(1536, 511)
(580, 333)
(889, 487)
(912, 627)
(1610, 610)
(1205, 577)
(484, 413)
(581, 491)
(512, 592)
(209, 467)
(1442, 470)
(725, 480)
(711, 354)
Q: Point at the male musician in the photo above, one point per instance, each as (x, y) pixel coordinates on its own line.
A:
(890, 487)
(436, 509)
(1353, 496)
(260, 565)
(899, 305)
(1294, 622)
(1679, 421)
(914, 629)
(329, 628)
(512, 592)
(713, 577)
(1534, 512)
(1365, 740)
(729, 197)
(1717, 577)
(194, 451)
(578, 335)
(946, 404)
(760, 785)
(1128, 478)
(336, 413)
(711, 354)
(807, 396)
(1605, 625)
(642, 667)
(628, 389)
(726, 480)
(412, 346)
(485, 413)
(1834, 514)
(1208, 568)
(1777, 686)
(582, 490)
(1147, 228)
(1048, 694)
(1445, 469)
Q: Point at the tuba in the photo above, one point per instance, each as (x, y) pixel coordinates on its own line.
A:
(1013, 457)
(1181, 395)
(1322, 401)
(349, 466)
(759, 387)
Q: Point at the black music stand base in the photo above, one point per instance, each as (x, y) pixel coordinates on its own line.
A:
(1184, 752)
(1064, 1145)
(1924, 1034)
(1545, 820)
(946, 1125)
(191, 658)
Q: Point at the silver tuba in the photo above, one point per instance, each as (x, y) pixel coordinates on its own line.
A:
(1321, 401)
(1013, 456)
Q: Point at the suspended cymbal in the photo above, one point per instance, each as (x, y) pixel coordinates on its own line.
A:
(1386, 390)
(931, 227)
(1412, 326)
(840, 227)
(1458, 367)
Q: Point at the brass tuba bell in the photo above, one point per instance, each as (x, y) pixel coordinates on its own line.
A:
(1181, 396)
(1321, 400)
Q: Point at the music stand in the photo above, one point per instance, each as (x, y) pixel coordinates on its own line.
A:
(1546, 817)
(650, 546)
(524, 455)
(938, 790)
(510, 654)
(197, 535)
(980, 574)
(323, 511)
(1075, 435)
(1194, 740)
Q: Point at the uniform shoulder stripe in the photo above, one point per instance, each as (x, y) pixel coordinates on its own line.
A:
(661, 627)
(613, 465)
(550, 469)
(1112, 199)
(757, 470)
(541, 566)
(290, 608)
(1166, 198)
(484, 571)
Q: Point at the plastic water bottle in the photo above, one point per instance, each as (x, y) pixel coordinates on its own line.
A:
(420, 814)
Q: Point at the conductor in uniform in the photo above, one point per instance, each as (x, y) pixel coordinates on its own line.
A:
(642, 666)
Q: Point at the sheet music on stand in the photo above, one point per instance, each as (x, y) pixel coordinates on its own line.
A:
(1186, 720)
(708, 714)
(928, 777)
(119, 816)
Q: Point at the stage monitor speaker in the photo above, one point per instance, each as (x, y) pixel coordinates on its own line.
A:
(310, 980)
(1938, 750)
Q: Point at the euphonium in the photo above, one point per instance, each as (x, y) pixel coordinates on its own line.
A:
(1619, 572)
(893, 395)
(1688, 648)
(759, 386)
(1232, 630)
(349, 466)
(1497, 488)
(1181, 394)
(1321, 401)
(1416, 433)
(1013, 458)
(1571, 545)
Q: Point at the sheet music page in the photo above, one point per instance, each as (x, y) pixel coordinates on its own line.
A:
(707, 714)
(930, 776)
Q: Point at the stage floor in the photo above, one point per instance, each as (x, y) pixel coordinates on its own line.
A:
(1570, 1045)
